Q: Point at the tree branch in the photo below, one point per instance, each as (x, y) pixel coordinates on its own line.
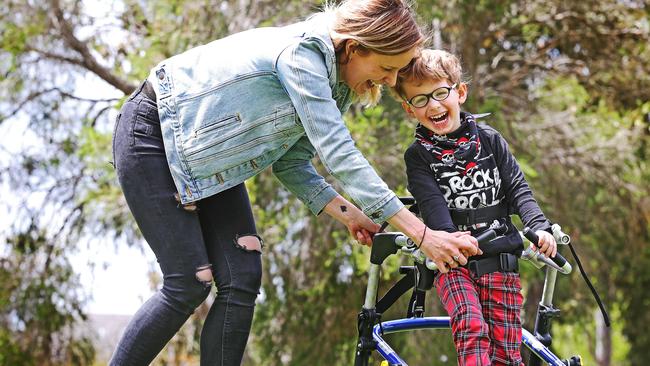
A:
(87, 59)
(36, 94)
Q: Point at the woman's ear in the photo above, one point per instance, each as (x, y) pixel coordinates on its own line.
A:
(351, 47)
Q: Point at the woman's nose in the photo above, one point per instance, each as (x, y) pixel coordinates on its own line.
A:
(391, 78)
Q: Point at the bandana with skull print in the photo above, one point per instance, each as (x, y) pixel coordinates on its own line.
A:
(457, 149)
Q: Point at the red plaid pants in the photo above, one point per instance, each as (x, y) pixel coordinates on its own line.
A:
(485, 315)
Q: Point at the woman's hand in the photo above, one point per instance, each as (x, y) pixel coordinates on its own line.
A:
(547, 244)
(449, 250)
(359, 225)
(362, 228)
(446, 250)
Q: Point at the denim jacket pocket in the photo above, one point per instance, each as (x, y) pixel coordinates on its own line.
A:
(223, 125)
(212, 134)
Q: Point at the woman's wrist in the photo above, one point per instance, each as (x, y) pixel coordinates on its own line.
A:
(424, 232)
(406, 222)
(340, 209)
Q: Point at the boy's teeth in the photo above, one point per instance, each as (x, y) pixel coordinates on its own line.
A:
(439, 117)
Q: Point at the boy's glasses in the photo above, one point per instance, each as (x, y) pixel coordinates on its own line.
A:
(438, 94)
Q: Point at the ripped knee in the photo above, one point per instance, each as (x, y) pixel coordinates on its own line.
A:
(249, 243)
(204, 275)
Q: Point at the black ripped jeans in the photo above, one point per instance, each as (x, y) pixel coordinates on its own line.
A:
(184, 242)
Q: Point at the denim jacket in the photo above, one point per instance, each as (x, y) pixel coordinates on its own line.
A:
(264, 97)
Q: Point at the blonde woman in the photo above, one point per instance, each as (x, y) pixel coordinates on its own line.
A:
(208, 119)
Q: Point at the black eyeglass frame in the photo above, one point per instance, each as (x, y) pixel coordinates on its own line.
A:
(430, 96)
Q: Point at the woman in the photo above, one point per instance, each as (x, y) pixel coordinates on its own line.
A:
(209, 118)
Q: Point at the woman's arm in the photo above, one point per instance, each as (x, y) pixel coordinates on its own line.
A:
(359, 225)
(296, 172)
(306, 71)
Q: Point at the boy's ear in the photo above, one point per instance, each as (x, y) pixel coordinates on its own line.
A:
(408, 109)
(462, 93)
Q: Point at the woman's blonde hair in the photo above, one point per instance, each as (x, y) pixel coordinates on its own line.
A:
(430, 65)
(387, 27)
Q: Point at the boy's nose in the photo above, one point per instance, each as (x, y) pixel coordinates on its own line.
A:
(432, 102)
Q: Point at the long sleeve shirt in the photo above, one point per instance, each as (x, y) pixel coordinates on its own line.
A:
(496, 177)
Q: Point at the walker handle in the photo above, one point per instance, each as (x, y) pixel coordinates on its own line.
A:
(530, 235)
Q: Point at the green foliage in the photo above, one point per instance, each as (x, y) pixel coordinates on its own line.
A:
(591, 180)
(39, 303)
(567, 83)
(568, 339)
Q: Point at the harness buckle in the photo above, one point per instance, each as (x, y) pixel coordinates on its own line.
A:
(474, 267)
(508, 262)
(504, 262)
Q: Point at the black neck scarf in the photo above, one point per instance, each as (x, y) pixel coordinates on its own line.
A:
(458, 149)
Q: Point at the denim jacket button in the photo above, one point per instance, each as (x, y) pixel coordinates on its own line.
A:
(377, 214)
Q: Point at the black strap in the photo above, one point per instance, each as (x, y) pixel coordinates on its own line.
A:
(504, 262)
(479, 215)
(407, 282)
(591, 287)
(416, 304)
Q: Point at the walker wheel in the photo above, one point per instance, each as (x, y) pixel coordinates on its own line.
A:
(575, 361)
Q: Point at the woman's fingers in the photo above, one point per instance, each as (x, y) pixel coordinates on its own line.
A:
(364, 237)
(442, 266)
(450, 249)
(468, 244)
(367, 237)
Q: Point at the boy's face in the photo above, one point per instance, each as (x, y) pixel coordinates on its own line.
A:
(439, 116)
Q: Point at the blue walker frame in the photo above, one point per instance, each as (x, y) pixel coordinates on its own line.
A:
(442, 322)
(371, 328)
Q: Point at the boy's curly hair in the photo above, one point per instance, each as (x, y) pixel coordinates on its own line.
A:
(429, 65)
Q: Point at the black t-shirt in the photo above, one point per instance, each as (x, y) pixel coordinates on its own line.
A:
(496, 177)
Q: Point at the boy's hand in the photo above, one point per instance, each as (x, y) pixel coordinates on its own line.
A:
(547, 244)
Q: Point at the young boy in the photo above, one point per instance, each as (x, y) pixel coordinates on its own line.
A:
(464, 178)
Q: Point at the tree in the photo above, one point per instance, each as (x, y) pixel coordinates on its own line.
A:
(575, 116)
(61, 177)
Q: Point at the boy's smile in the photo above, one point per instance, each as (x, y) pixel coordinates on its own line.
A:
(440, 117)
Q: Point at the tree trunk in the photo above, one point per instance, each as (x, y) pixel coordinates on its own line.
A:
(603, 349)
